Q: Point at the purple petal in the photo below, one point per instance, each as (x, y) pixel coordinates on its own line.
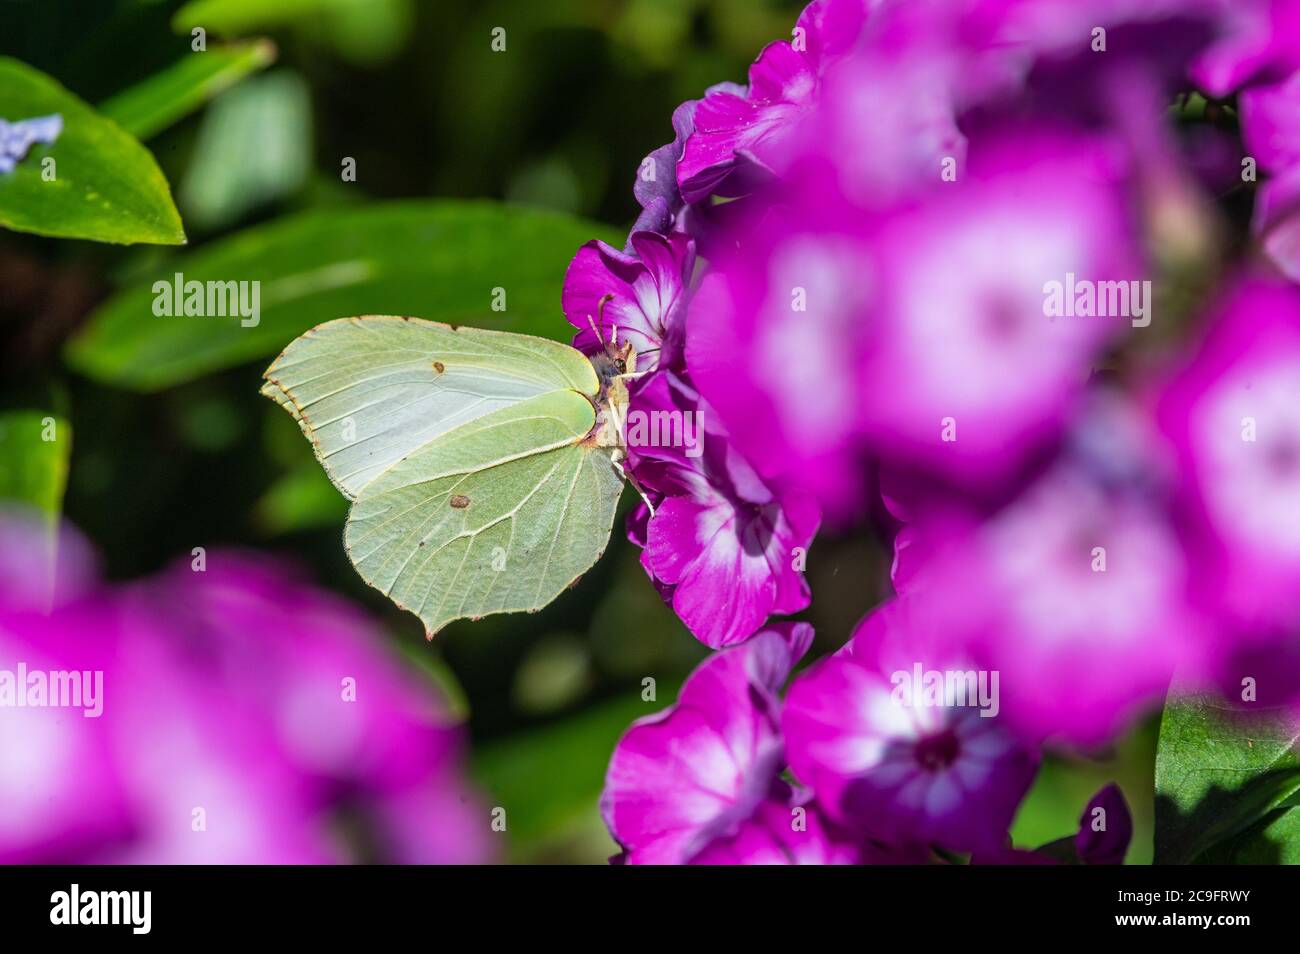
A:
(1105, 828)
(689, 774)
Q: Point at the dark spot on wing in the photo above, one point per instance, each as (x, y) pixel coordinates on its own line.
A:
(439, 367)
(459, 501)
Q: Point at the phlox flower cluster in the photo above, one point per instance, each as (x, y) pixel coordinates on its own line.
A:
(981, 280)
(223, 711)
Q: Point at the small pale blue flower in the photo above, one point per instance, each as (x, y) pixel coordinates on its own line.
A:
(17, 138)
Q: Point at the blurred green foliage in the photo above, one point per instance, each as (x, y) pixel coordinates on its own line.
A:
(162, 99)
(95, 181)
(34, 451)
(435, 260)
(175, 448)
(253, 149)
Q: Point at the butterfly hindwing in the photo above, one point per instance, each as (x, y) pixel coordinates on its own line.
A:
(498, 515)
(367, 391)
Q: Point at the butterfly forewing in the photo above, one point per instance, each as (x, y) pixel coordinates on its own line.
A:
(369, 391)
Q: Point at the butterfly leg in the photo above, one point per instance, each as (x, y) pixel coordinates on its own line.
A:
(617, 458)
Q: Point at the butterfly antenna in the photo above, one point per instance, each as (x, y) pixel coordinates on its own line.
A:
(600, 315)
(596, 331)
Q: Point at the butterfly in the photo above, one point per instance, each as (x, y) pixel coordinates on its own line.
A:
(484, 467)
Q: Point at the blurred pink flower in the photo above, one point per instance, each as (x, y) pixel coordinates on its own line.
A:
(1270, 130)
(951, 334)
(1079, 593)
(894, 765)
(1256, 37)
(740, 136)
(247, 718)
(974, 348)
(1233, 417)
(774, 344)
(61, 794)
(703, 776)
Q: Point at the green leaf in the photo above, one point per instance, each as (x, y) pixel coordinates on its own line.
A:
(103, 185)
(237, 16)
(226, 178)
(431, 666)
(151, 106)
(1221, 768)
(364, 31)
(554, 674)
(34, 451)
(302, 499)
(437, 259)
(1274, 840)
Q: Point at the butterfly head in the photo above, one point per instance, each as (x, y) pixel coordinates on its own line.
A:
(617, 358)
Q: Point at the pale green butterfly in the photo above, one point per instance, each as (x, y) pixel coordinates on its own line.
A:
(483, 467)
